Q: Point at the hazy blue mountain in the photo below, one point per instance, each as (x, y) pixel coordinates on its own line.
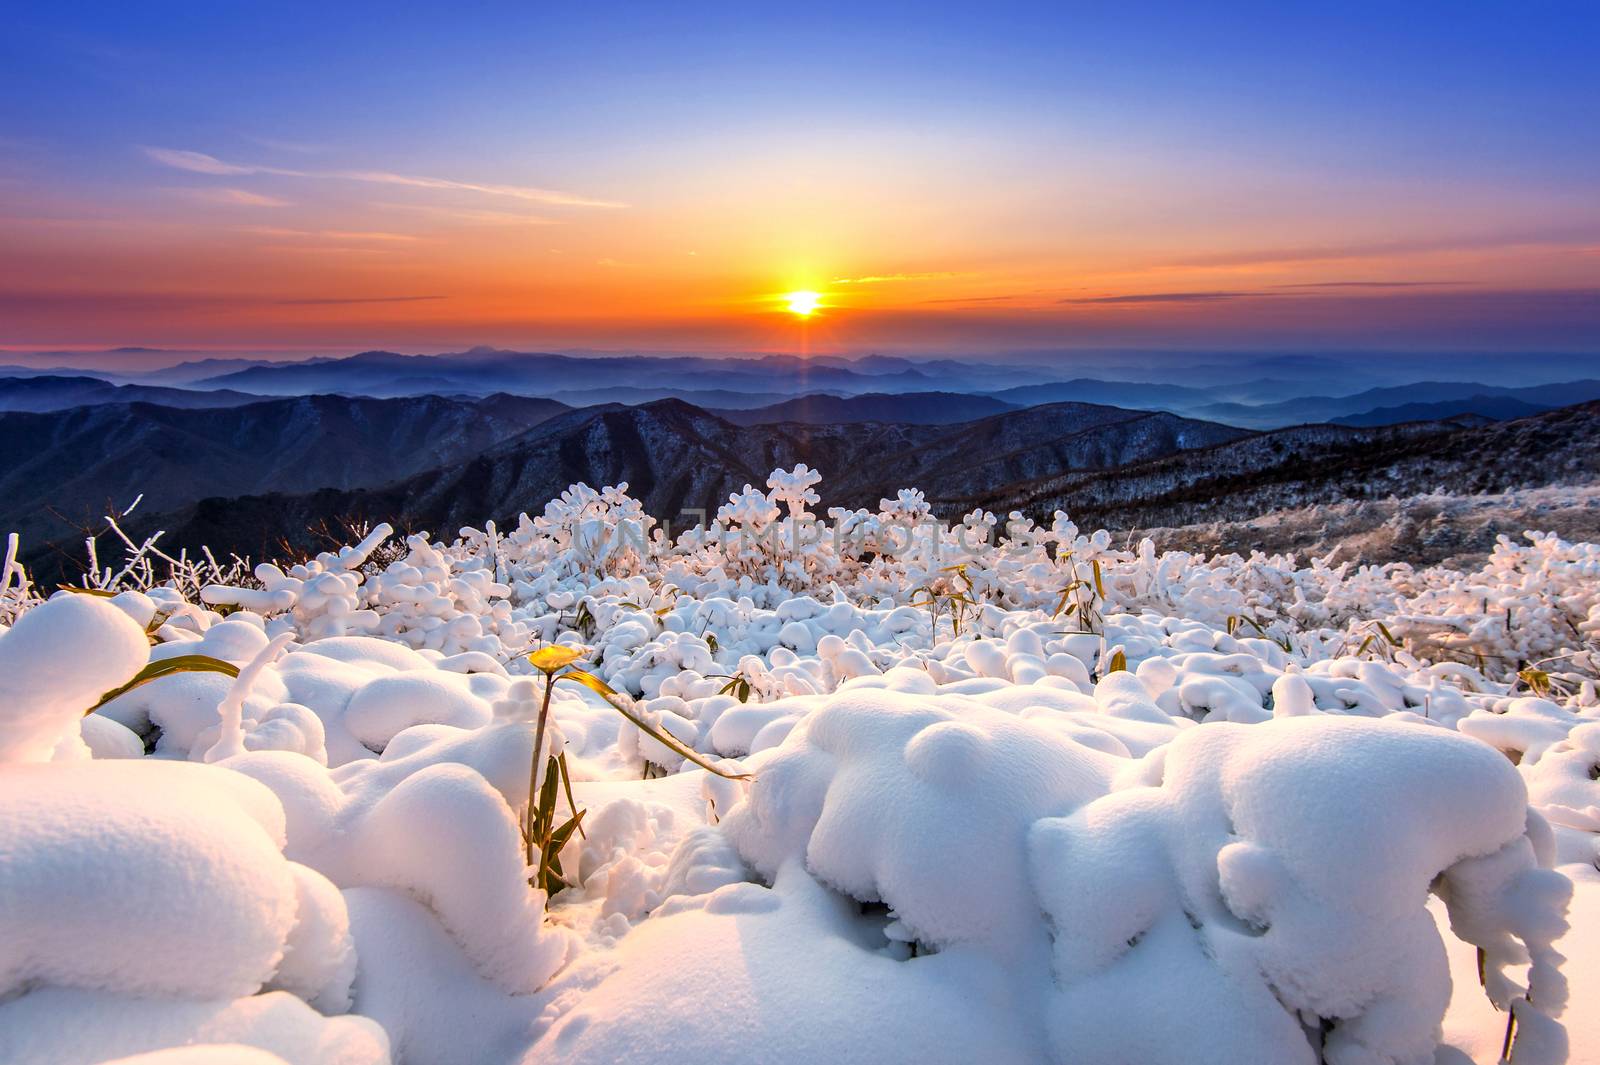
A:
(709, 398)
(46, 393)
(914, 408)
(481, 371)
(1490, 408)
(1312, 409)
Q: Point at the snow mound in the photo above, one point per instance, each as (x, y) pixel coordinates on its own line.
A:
(1271, 885)
(56, 663)
(65, 1026)
(919, 803)
(142, 877)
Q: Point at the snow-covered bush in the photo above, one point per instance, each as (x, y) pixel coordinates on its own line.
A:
(1049, 798)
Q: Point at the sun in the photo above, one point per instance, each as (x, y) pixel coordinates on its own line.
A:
(802, 304)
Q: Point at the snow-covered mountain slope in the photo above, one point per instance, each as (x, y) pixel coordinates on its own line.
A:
(64, 470)
(1313, 465)
(682, 462)
(861, 789)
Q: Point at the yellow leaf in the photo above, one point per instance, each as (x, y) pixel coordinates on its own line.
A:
(550, 658)
(592, 682)
(666, 739)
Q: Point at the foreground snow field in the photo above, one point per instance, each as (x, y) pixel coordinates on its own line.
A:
(997, 792)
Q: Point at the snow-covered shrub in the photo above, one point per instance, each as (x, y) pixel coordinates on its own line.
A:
(1048, 795)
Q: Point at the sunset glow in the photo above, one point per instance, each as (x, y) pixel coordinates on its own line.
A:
(966, 180)
(802, 304)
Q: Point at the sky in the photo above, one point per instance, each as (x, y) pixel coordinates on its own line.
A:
(950, 178)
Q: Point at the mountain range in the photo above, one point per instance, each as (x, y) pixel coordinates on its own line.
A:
(1261, 392)
(221, 459)
(438, 463)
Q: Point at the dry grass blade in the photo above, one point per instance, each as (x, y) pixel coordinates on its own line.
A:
(666, 739)
(1509, 1046)
(164, 668)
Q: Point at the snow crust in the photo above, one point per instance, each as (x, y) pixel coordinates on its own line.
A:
(1010, 793)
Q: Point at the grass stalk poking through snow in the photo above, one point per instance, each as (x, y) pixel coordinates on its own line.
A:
(539, 830)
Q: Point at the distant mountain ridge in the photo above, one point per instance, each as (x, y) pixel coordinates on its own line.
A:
(66, 469)
(481, 370)
(916, 408)
(47, 392)
(1491, 408)
(1314, 409)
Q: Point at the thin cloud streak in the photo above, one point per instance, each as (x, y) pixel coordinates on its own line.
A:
(327, 234)
(878, 279)
(200, 163)
(1304, 290)
(1375, 284)
(1574, 240)
(234, 197)
(476, 217)
(1167, 297)
(338, 300)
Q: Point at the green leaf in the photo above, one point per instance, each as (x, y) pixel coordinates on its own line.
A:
(666, 739)
(566, 782)
(559, 837)
(166, 667)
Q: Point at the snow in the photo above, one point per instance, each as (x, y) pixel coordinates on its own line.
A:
(56, 663)
(66, 1026)
(996, 791)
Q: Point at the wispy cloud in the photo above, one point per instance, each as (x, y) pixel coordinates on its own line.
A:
(342, 300)
(327, 234)
(298, 147)
(878, 279)
(1300, 290)
(233, 197)
(1374, 284)
(1546, 240)
(1165, 297)
(976, 299)
(200, 163)
(472, 216)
